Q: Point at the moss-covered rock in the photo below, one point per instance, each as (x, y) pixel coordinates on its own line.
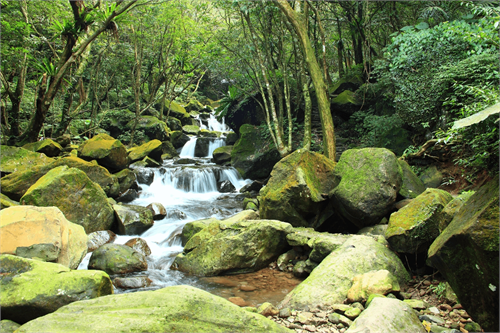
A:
(232, 248)
(14, 159)
(107, 151)
(297, 190)
(126, 179)
(411, 186)
(133, 220)
(44, 233)
(6, 202)
(171, 309)
(231, 138)
(191, 129)
(345, 104)
(17, 183)
(153, 149)
(48, 147)
(32, 288)
(321, 243)
(252, 156)
(413, 228)
(178, 139)
(117, 259)
(168, 151)
(178, 111)
(192, 228)
(174, 124)
(152, 127)
(466, 253)
(8, 326)
(81, 200)
(193, 105)
(387, 315)
(329, 282)
(431, 177)
(222, 155)
(452, 208)
(368, 181)
(375, 282)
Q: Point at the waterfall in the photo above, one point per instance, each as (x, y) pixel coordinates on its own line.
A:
(188, 149)
(214, 144)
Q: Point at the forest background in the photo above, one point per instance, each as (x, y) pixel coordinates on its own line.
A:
(377, 73)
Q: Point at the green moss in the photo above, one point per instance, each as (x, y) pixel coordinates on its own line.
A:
(14, 159)
(346, 97)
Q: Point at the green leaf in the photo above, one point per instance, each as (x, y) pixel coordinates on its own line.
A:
(421, 26)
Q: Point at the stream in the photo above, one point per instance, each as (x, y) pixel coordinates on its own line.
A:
(189, 192)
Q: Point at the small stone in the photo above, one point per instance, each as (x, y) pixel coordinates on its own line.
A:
(358, 305)
(427, 283)
(352, 313)
(431, 319)
(463, 330)
(342, 330)
(238, 301)
(434, 310)
(438, 329)
(247, 288)
(305, 317)
(445, 307)
(473, 327)
(285, 313)
(291, 319)
(458, 306)
(334, 318)
(267, 309)
(321, 314)
(294, 326)
(310, 328)
(463, 320)
(417, 304)
(463, 313)
(421, 293)
(340, 307)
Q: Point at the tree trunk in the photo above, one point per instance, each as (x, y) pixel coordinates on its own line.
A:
(298, 22)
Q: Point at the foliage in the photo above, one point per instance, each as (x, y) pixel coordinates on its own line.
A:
(227, 102)
(439, 289)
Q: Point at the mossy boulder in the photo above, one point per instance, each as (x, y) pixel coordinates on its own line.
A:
(6, 202)
(387, 315)
(321, 243)
(452, 208)
(32, 288)
(374, 282)
(191, 129)
(345, 104)
(177, 111)
(107, 151)
(411, 186)
(174, 124)
(170, 309)
(193, 105)
(8, 326)
(233, 248)
(222, 155)
(153, 149)
(431, 177)
(168, 151)
(14, 159)
(17, 183)
(43, 233)
(117, 259)
(152, 127)
(192, 228)
(126, 179)
(251, 155)
(202, 147)
(466, 253)
(133, 220)
(48, 146)
(231, 138)
(178, 139)
(81, 200)
(413, 228)
(297, 190)
(330, 281)
(369, 180)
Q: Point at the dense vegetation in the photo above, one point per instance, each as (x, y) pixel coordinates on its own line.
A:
(384, 73)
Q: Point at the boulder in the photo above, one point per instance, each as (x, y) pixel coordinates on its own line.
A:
(231, 138)
(140, 245)
(153, 149)
(466, 254)
(179, 139)
(178, 111)
(48, 147)
(411, 186)
(132, 219)
(117, 259)
(63, 140)
(413, 228)
(107, 151)
(321, 243)
(251, 154)
(226, 187)
(452, 208)
(132, 282)
(168, 151)
(247, 111)
(174, 124)
(297, 190)
(81, 200)
(431, 177)
(202, 147)
(6, 202)
(192, 228)
(369, 180)
(375, 282)
(329, 282)
(170, 309)
(222, 155)
(244, 215)
(152, 127)
(17, 183)
(345, 103)
(43, 233)
(15, 159)
(144, 176)
(191, 129)
(387, 315)
(128, 196)
(158, 210)
(233, 248)
(97, 239)
(126, 179)
(8, 326)
(32, 288)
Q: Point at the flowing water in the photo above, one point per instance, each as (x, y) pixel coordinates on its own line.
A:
(189, 192)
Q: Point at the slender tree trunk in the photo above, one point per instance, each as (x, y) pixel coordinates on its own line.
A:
(298, 23)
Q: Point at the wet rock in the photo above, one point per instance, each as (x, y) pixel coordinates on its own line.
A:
(126, 179)
(237, 301)
(158, 210)
(285, 313)
(222, 155)
(145, 176)
(47, 147)
(32, 288)
(80, 199)
(176, 214)
(192, 228)
(267, 309)
(179, 139)
(152, 149)
(183, 161)
(231, 138)
(191, 129)
(132, 219)
(286, 258)
(128, 196)
(43, 233)
(107, 151)
(225, 187)
(97, 239)
(140, 245)
(299, 269)
(132, 282)
(368, 183)
(6, 202)
(117, 259)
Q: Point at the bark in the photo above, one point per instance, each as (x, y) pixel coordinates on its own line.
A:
(298, 22)
(16, 97)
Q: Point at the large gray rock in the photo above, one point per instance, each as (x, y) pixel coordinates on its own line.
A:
(224, 248)
(132, 219)
(368, 180)
(411, 186)
(413, 228)
(329, 282)
(387, 315)
(32, 288)
(297, 190)
(117, 259)
(171, 309)
(321, 243)
(466, 253)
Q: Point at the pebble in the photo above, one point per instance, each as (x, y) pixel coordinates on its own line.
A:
(422, 292)
(310, 328)
(445, 307)
(431, 319)
(457, 306)
(305, 317)
(285, 313)
(427, 283)
(434, 310)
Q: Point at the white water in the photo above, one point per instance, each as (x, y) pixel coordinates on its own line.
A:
(214, 124)
(188, 192)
